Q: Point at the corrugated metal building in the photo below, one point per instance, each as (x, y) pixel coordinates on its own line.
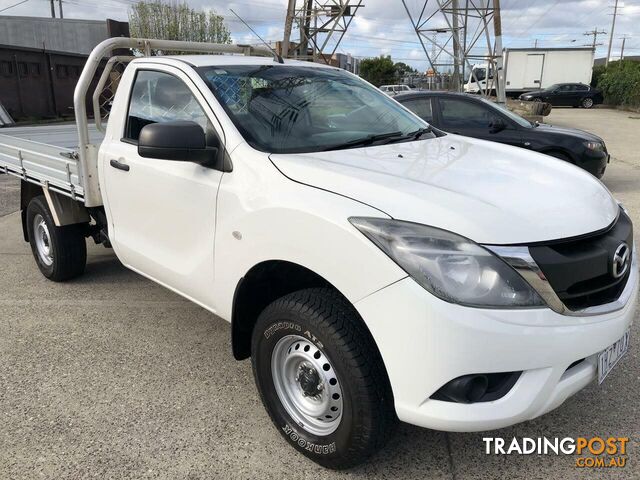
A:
(53, 34)
(41, 60)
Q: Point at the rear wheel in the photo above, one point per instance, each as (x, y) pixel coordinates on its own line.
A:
(321, 378)
(587, 102)
(60, 252)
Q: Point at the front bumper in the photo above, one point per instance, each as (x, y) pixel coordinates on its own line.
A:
(594, 162)
(426, 342)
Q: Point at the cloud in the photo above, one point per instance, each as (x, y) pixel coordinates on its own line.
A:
(383, 27)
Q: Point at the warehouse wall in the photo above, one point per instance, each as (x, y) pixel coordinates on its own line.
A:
(36, 84)
(41, 60)
(56, 34)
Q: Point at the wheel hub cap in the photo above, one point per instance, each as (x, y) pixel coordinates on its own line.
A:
(43, 240)
(309, 380)
(307, 385)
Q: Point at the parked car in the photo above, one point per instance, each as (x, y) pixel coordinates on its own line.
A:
(566, 95)
(372, 270)
(395, 89)
(477, 117)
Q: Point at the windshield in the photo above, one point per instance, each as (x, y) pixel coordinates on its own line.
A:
(294, 109)
(505, 111)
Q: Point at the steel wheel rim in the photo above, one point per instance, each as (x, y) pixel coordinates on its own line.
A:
(307, 385)
(43, 240)
(587, 102)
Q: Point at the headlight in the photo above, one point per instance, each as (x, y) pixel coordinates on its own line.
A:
(449, 266)
(595, 146)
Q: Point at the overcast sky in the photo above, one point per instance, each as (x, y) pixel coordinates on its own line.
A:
(383, 26)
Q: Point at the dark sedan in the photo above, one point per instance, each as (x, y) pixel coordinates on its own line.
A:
(477, 117)
(566, 95)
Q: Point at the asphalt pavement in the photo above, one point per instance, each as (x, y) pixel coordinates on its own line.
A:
(113, 376)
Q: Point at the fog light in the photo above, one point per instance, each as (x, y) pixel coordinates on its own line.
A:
(477, 387)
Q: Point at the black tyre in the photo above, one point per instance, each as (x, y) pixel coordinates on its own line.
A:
(321, 378)
(587, 102)
(60, 252)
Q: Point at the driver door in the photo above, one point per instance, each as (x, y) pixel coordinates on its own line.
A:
(561, 97)
(162, 213)
(475, 119)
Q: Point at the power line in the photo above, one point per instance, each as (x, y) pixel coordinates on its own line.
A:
(14, 5)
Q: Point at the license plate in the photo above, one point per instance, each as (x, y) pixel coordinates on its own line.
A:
(609, 357)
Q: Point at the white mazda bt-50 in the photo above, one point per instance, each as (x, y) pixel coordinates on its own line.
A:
(372, 268)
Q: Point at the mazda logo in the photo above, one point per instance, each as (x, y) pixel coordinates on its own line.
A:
(621, 260)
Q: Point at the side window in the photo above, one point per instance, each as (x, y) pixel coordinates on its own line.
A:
(421, 107)
(160, 97)
(462, 113)
(582, 88)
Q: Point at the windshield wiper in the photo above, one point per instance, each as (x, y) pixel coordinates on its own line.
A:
(411, 135)
(364, 141)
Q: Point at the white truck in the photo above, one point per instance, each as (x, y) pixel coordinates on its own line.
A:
(374, 269)
(529, 69)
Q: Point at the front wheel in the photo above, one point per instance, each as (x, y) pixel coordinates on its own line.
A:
(321, 378)
(60, 252)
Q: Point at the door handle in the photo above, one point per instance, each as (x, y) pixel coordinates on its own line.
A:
(119, 165)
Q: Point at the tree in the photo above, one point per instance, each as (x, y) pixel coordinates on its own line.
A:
(403, 69)
(378, 70)
(176, 21)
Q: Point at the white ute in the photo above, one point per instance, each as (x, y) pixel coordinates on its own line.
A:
(372, 268)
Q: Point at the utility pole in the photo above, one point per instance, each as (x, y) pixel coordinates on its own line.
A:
(624, 38)
(53, 9)
(287, 28)
(613, 25)
(497, 31)
(594, 33)
(305, 27)
(456, 45)
(535, 44)
(60, 5)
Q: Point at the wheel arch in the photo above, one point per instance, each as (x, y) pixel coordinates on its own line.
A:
(64, 210)
(560, 150)
(261, 285)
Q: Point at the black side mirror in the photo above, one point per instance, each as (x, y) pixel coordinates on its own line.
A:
(497, 125)
(179, 140)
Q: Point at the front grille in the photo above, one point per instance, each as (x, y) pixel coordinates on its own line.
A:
(581, 270)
